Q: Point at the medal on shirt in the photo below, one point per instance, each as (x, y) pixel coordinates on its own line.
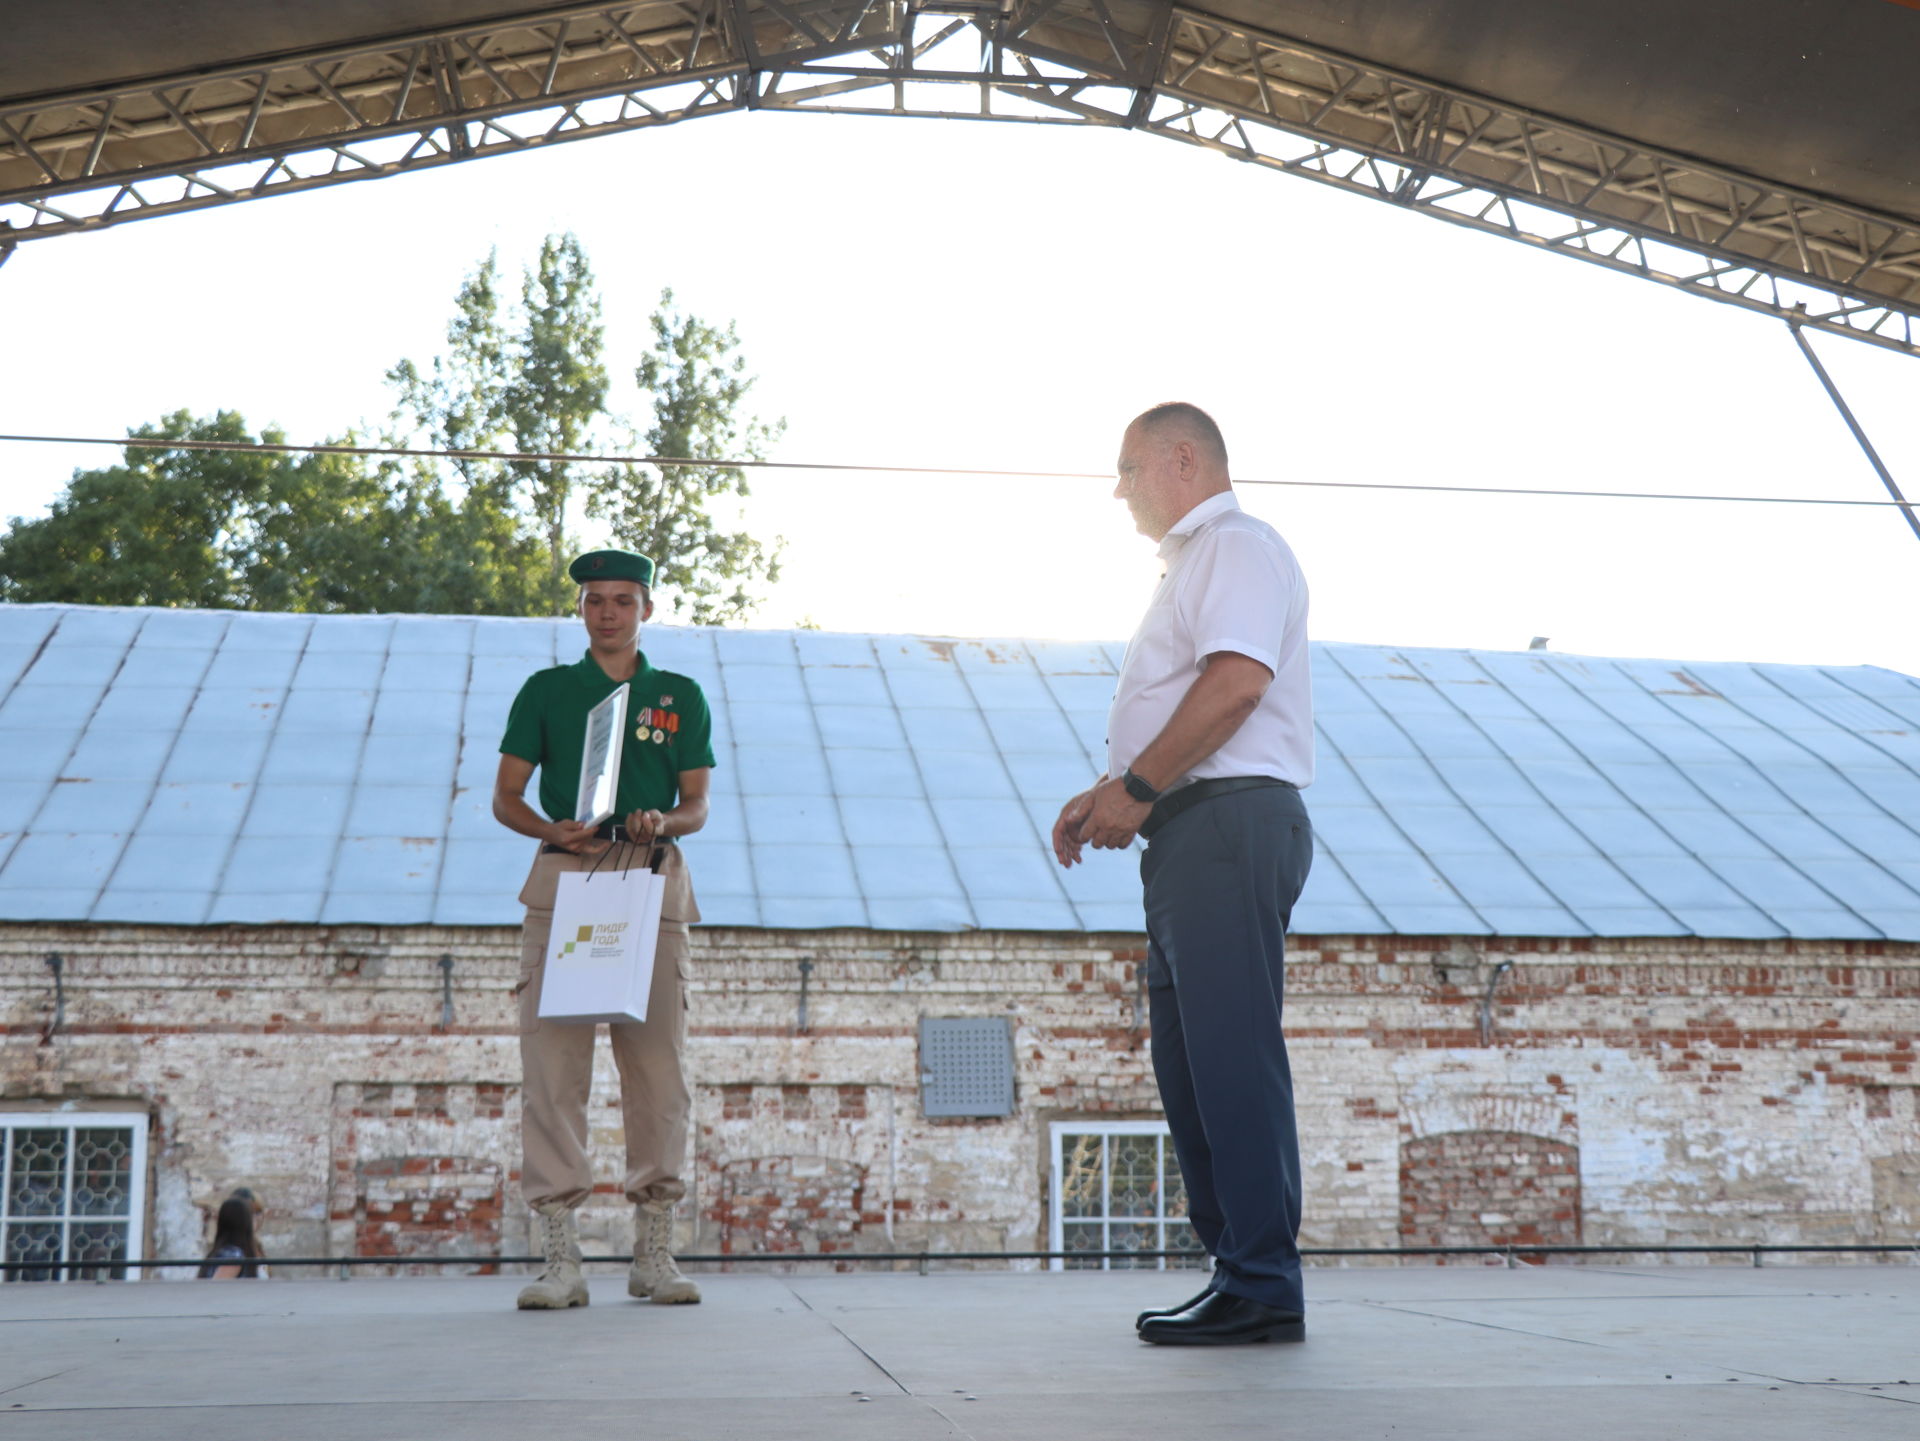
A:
(656, 723)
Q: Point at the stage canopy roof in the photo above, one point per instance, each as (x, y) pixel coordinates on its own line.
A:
(1760, 154)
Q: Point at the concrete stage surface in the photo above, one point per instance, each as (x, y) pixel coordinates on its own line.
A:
(1561, 1352)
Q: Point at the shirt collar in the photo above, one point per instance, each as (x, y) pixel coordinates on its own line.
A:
(590, 674)
(1209, 509)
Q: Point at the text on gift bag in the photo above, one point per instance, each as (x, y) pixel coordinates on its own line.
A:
(599, 964)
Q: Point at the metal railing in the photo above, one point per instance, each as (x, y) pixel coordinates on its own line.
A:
(1511, 1254)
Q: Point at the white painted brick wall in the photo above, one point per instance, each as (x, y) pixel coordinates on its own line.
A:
(1715, 1091)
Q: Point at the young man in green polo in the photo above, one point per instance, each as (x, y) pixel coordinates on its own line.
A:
(665, 765)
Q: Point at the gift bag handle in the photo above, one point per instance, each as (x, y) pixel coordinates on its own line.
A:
(659, 856)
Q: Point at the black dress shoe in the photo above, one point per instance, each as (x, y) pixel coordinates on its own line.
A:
(1186, 1305)
(1222, 1320)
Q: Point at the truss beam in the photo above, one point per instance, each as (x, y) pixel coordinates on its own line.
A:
(1499, 169)
(77, 162)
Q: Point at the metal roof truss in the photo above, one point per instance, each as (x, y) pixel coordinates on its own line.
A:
(79, 162)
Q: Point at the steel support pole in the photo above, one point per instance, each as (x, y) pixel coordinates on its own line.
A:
(1846, 414)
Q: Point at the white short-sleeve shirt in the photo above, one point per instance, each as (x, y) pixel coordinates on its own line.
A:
(1231, 584)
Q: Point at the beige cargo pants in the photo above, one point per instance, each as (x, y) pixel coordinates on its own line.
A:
(556, 1057)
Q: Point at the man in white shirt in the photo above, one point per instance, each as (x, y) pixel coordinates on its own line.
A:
(1208, 742)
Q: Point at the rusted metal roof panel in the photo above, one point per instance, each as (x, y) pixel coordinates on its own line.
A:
(176, 767)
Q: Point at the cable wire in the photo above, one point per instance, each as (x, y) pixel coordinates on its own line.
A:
(260, 447)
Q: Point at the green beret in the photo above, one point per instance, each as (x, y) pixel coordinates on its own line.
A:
(612, 565)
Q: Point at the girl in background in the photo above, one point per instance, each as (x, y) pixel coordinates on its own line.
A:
(231, 1255)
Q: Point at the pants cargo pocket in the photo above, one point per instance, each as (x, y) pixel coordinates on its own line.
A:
(527, 996)
(534, 932)
(678, 904)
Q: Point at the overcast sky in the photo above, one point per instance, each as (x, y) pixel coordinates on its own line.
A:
(1007, 296)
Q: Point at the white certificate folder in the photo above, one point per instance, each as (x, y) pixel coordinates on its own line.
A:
(600, 759)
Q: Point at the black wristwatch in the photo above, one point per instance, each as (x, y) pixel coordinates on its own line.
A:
(1138, 788)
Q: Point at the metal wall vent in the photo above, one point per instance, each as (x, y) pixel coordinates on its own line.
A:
(966, 1066)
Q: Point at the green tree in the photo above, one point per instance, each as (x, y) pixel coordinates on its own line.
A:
(530, 381)
(165, 527)
(342, 536)
(251, 530)
(698, 384)
(475, 535)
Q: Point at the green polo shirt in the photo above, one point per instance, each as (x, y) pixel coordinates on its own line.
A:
(669, 730)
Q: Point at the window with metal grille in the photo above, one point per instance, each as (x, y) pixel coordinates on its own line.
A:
(1117, 1187)
(966, 1066)
(72, 1194)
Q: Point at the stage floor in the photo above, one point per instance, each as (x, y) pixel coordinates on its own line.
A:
(1415, 1353)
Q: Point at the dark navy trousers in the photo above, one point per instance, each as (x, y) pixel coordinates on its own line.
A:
(1221, 878)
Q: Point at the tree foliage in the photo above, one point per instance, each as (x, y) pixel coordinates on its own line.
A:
(259, 531)
(698, 384)
(166, 527)
(330, 532)
(530, 380)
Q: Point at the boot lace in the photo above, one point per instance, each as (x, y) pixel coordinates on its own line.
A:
(553, 1243)
(659, 1234)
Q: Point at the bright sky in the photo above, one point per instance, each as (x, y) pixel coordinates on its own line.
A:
(1006, 297)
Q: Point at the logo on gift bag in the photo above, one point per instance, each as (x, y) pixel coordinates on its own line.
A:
(601, 942)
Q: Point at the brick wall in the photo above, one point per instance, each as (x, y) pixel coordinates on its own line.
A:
(1471, 1188)
(1644, 1091)
(420, 1169)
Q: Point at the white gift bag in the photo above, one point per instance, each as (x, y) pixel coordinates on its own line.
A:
(599, 964)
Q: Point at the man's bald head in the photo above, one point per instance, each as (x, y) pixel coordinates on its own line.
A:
(1171, 459)
(1179, 420)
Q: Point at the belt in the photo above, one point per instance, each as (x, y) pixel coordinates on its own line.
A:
(615, 831)
(1188, 796)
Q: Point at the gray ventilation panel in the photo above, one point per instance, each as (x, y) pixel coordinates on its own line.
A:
(966, 1066)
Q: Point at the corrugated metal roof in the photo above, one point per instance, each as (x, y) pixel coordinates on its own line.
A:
(191, 768)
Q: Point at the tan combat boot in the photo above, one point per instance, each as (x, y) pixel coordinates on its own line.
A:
(560, 1285)
(653, 1273)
